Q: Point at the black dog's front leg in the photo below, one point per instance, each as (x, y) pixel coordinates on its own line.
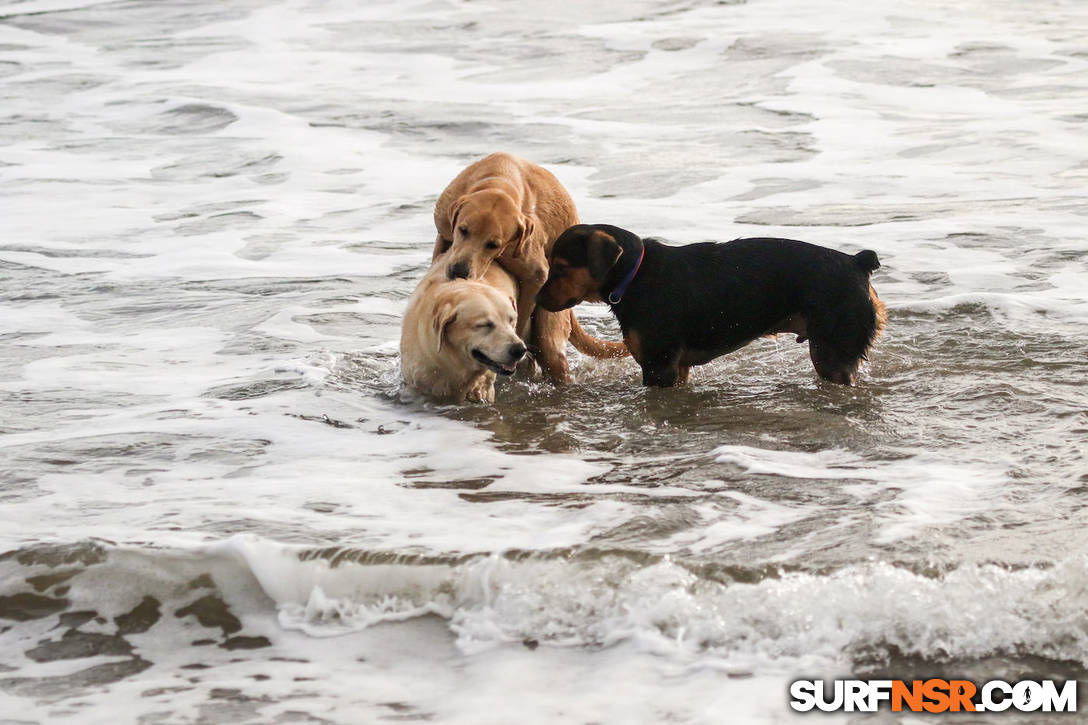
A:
(661, 368)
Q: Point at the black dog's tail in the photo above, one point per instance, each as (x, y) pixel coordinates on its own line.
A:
(867, 260)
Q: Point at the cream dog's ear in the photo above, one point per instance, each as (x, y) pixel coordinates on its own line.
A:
(522, 236)
(445, 315)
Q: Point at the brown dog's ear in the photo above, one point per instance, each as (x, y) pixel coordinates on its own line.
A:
(445, 315)
(455, 209)
(602, 253)
(522, 236)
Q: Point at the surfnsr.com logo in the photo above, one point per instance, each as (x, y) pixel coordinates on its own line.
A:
(933, 695)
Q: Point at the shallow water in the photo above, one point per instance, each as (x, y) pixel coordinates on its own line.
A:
(219, 505)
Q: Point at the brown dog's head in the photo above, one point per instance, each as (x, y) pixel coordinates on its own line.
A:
(580, 261)
(474, 323)
(484, 224)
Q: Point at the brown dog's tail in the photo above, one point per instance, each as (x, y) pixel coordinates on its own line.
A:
(591, 346)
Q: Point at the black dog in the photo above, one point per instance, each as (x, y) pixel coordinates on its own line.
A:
(684, 306)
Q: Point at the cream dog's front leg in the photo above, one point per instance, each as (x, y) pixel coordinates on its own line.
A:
(482, 389)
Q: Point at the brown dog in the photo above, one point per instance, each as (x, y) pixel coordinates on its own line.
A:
(506, 209)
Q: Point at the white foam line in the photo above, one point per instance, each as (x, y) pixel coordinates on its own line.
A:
(1012, 305)
(795, 620)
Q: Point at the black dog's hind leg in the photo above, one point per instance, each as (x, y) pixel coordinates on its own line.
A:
(830, 364)
(840, 337)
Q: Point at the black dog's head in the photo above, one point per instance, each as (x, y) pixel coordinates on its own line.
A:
(580, 265)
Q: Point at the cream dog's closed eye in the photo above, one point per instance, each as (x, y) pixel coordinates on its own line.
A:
(457, 334)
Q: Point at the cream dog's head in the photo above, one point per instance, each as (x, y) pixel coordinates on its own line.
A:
(474, 327)
(485, 223)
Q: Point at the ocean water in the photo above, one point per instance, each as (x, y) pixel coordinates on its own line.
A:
(217, 505)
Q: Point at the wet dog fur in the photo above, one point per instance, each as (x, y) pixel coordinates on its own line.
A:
(687, 305)
(506, 209)
(457, 334)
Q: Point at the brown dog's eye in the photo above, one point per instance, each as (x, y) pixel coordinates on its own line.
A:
(463, 230)
(492, 245)
(486, 326)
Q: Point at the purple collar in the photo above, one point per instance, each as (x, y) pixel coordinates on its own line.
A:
(617, 294)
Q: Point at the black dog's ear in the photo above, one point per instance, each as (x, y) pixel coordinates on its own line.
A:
(602, 253)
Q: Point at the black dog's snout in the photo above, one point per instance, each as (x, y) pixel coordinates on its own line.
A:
(516, 351)
(457, 270)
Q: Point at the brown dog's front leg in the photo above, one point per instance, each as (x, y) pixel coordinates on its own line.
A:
(531, 272)
(526, 305)
(550, 333)
(441, 246)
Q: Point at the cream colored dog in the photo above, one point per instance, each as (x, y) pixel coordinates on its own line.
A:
(457, 334)
(506, 209)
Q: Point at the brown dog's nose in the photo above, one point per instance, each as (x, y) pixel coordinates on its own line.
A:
(457, 270)
(516, 351)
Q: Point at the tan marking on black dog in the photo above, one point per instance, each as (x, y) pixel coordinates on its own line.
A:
(568, 286)
(880, 311)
